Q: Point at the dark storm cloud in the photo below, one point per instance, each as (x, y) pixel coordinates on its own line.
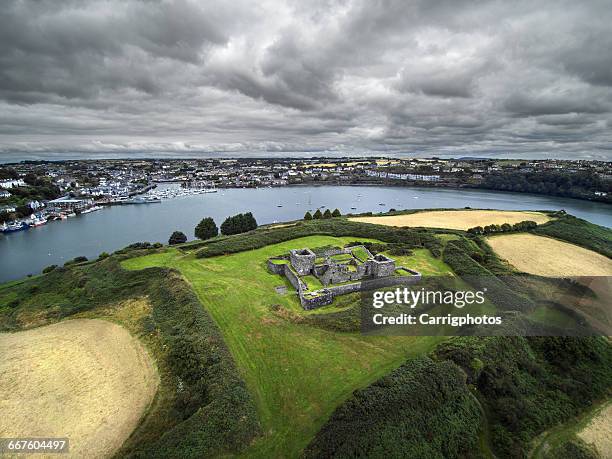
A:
(430, 77)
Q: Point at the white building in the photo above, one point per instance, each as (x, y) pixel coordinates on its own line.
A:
(7, 184)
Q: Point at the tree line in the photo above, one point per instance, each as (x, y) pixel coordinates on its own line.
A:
(574, 185)
(504, 228)
(207, 228)
(318, 215)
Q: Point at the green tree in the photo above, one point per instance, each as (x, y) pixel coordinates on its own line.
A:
(177, 237)
(206, 229)
(318, 215)
(24, 211)
(336, 213)
(327, 214)
(239, 223)
(250, 221)
(308, 216)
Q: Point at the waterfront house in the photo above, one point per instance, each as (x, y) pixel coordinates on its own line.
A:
(66, 203)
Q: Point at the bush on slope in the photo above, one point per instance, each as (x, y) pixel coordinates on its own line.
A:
(530, 384)
(423, 409)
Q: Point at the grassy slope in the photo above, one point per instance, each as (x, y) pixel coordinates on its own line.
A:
(553, 438)
(213, 414)
(423, 262)
(297, 373)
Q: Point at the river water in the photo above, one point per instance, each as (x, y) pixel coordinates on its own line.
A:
(27, 252)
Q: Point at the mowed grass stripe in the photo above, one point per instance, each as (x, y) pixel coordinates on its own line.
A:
(297, 373)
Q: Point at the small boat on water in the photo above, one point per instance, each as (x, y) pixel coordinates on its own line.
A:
(142, 201)
(381, 204)
(38, 221)
(14, 226)
(353, 208)
(91, 209)
(279, 205)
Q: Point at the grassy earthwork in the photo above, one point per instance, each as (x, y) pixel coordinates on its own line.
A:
(297, 373)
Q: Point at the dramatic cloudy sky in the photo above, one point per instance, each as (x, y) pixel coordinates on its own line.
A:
(531, 79)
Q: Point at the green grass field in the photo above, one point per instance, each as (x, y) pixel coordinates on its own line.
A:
(297, 373)
(423, 262)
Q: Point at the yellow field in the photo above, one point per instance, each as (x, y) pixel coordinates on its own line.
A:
(85, 379)
(599, 432)
(549, 257)
(456, 219)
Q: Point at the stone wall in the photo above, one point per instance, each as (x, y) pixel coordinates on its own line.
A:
(323, 298)
(276, 268)
(297, 283)
(302, 260)
(339, 273)
(381, 266)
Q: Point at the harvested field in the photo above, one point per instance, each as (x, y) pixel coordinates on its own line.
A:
(599, 432)
(456, 219)
(85, 379)
(549, 257)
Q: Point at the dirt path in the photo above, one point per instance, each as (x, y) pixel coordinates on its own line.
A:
(85, 379)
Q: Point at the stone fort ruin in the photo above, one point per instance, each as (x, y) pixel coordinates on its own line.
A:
(320, 277)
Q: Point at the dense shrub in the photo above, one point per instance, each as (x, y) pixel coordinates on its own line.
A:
(76, 260)
(574, 448)
(237, 224)
(422, 409)
(48, 269)
(435, 247)
(400, 250)
(531, 384)
(504, 228)
(177, 237)
(206, 229)
(307, 216)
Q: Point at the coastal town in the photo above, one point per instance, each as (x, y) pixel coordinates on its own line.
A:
(35, 192)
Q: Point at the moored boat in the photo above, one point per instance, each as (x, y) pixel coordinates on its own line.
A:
(13, 226)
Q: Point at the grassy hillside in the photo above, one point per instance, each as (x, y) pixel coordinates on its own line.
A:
(423, 409)
(521, 386)
(580, 232)
(202, 407)
(298, 373)
(527, 385)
